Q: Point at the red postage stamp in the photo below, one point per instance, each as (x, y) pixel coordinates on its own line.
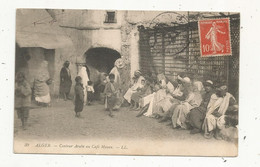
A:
(215, 37)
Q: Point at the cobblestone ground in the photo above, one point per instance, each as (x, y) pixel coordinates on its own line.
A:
(59, 122)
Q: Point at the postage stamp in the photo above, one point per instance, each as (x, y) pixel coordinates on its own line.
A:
(215, 37)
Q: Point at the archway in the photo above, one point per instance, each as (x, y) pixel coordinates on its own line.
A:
(101, 58)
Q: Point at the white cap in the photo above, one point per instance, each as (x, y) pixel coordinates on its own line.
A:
(209, 81)
(186, 79)
(179, 77)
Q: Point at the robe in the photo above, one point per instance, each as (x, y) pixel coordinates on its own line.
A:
(111, 92)
(133, 89)
(85, 78)
(65, 80)
(217, 105)
(181, 111)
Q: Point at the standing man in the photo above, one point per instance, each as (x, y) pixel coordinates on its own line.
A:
(85, 78)
(65, 80)
(116, 70)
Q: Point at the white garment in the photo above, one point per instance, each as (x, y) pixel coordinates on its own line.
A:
(221, 102)
(44, 99)
(133, 89)
(90, 89)
(198, 85)
(211, 122)
(138, 84)
(147, 99)
(117, 75)
(149, 112)
(154, 101)
(163, 84)
(181, 111)
(83, 74)
(170, 87)
(177, 91)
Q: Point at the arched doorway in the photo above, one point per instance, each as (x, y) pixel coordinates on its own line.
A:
(101, 58)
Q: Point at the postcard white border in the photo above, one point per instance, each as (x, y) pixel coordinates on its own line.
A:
(249, 147)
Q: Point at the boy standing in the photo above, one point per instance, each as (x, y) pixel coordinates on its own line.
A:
(22, 98)
(90, 92)
(111, 92)
(79, 96)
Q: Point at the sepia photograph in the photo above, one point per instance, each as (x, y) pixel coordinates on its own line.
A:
(126, 82)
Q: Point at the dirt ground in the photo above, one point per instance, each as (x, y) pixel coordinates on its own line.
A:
(59, 122)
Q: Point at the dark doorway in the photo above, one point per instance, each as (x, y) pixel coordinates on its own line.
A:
(101, 58)
(29, 59)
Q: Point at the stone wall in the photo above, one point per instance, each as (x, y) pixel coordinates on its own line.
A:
(84, 38)
(87, 29)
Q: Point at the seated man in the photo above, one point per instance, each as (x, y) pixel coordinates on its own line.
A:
(230, 132)
(154, 99)
(220, 103)
(137, 79)
(193, 99)
(150, 103)
(165, 104)
(197, 82)
(197, 115)
(141, 92)
(180, 93)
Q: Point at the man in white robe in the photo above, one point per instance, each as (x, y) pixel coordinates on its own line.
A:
(119, 64)
(181, 111)
(84, 75)
(218, 105)
(134, 87)
(41, 87)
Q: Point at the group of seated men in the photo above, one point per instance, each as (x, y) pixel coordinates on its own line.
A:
(201, 107)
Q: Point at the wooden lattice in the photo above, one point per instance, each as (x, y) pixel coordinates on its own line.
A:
(176, 50)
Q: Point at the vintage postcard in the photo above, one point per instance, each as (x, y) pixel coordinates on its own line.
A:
(126, 82)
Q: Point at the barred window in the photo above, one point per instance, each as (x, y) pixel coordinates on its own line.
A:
(110, 17)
